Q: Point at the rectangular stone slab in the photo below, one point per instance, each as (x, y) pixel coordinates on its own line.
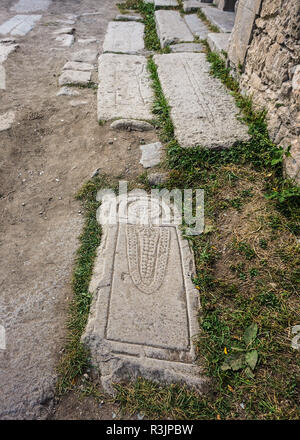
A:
(171, 28)
(124, 37)
(222, 19)
(124, 88)
(197, 27)
(144, 311)
(165, 4)
(19, 25)
(193, 5)
(202, 110)
(218, 42)
(242, 31)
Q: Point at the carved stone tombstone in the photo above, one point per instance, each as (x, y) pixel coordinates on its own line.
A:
(241, 34)
(144, 311)
(226, 5)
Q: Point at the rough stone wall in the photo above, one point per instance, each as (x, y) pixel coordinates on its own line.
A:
(272, 73)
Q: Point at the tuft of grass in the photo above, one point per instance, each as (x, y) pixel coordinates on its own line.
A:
(211, 27)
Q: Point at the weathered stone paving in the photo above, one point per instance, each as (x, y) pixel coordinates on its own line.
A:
(201, 109)
(171, 28)
(222, 19)
(124, 37)
(19, 25)
(197, 27)
(124, 88)
(144, 311)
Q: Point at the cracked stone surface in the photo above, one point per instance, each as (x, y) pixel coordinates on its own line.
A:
(19, 25)
(171, 28)
(201, 103)
(150, 154)
(74, 77)
(31, 5)
(6, 49)
(2, 77)
(224, 20)
(186, 47)
(197, 27)
(124, 89)
(218, 42)
(144, 311)
(124, 37)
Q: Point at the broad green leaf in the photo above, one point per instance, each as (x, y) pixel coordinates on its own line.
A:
(237, 362)
(251, 358)
(250, 333)
(249, 373)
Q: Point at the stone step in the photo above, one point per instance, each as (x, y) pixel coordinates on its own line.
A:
(222, 19)
(171, 28)
(160, 4)
(144, 312)
(124, 90)
(124, 37)
(197, 27)
(194, 5)
(218, 42)
(203, 112)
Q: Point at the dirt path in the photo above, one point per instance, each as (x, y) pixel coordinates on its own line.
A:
(50, 151)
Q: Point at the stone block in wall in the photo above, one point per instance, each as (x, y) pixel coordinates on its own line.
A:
(241, 34)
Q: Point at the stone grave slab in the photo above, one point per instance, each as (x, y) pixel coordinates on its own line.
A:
(31, 5)
(124, 37)
(19, 25)
(202, 110)
(150, 154)
(227, 5)
(186, 47)
(218, 42)
(197, 27)
(74, 77)
(165, 4)
(241, 34)
(124, 90)
(171, 28)
(144, 312)
(222, 19)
